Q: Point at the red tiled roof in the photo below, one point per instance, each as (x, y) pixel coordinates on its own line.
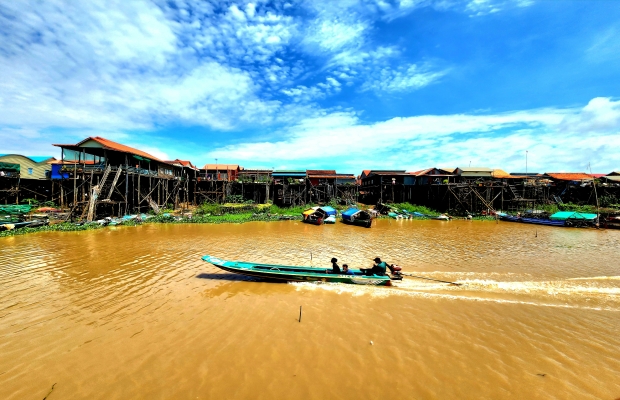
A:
(421, 172)
(569, 176)
(334, 176)
(183, 163)
(108, 144)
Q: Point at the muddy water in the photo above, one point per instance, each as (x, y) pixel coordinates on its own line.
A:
(134, 313)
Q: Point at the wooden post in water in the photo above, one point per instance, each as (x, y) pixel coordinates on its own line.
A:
(299, 313)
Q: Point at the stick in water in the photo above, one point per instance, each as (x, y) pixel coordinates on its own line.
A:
(431, 279)
(50, 392)
(299, 313)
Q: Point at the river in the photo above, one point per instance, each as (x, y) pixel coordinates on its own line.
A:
(133, 313)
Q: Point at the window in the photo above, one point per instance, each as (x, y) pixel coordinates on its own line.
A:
(29, 171)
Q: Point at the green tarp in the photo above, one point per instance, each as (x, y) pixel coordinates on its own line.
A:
(14, 210)
(564, 215)
(5, 166)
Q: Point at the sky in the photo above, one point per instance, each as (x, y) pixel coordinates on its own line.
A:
(321, 84)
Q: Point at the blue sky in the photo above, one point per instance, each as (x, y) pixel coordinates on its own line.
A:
(346, 85)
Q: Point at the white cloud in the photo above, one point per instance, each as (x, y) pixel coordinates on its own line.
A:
(495, 140)
(333, 35)
(127, 65)
(401, 79)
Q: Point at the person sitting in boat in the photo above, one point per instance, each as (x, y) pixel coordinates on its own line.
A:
(378, 268)
(335, 267)
(346, 270)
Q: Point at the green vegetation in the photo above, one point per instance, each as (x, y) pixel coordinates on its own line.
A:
(64, 227)
(37, 203)
(415, 208)
(585, 208)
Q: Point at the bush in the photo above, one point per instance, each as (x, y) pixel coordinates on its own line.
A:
(209, 209)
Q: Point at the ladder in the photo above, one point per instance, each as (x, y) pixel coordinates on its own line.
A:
(558, 199)
(95, 194)
(152, 203)
(114, 182)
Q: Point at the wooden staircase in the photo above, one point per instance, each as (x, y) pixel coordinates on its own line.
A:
(113, 185)
(95, 194)
(513, 191)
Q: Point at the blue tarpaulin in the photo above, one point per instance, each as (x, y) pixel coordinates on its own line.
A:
(564, 215)
(346, 215)
(329, 210)
(56, 174)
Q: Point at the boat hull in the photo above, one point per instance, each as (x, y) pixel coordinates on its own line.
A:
(366, 223)
(534, 221)
(296, 273)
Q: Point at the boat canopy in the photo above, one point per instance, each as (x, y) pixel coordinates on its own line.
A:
(328, 210)
(309, 212)
(564, 215)
(348, 214)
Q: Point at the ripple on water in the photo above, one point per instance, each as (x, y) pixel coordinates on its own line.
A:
(101, 311)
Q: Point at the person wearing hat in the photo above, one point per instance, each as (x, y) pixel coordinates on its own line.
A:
(335, 267)
(378, 268)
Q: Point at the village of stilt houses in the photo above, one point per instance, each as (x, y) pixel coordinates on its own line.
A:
(98, 182)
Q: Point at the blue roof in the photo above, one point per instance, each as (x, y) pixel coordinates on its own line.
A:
(350, 212)
(329, 210)
(39, 158)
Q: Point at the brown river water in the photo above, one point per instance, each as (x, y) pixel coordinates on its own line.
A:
(134, 313)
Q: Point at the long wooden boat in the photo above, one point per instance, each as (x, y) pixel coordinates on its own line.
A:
(535, 221)
(298, 273)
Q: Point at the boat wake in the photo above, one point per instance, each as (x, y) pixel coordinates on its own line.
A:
(592, 293)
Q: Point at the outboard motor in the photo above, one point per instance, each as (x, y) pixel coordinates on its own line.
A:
(395, 271)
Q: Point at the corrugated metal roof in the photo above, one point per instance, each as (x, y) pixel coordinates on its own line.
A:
(223, 167)
(569, 176)
(476, 169)
(421, 172)
(501, 174)
(321, 172)
(613, 178)
(335, 176)
(36, 159)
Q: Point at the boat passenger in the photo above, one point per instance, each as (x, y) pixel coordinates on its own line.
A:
(378, 268)
(335, 267)
(346, 270)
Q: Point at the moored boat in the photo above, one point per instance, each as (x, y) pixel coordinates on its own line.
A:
(354, 216)
(535, 221)
(560, 218)
(299, 273)
(318, 215)
(330, 220)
